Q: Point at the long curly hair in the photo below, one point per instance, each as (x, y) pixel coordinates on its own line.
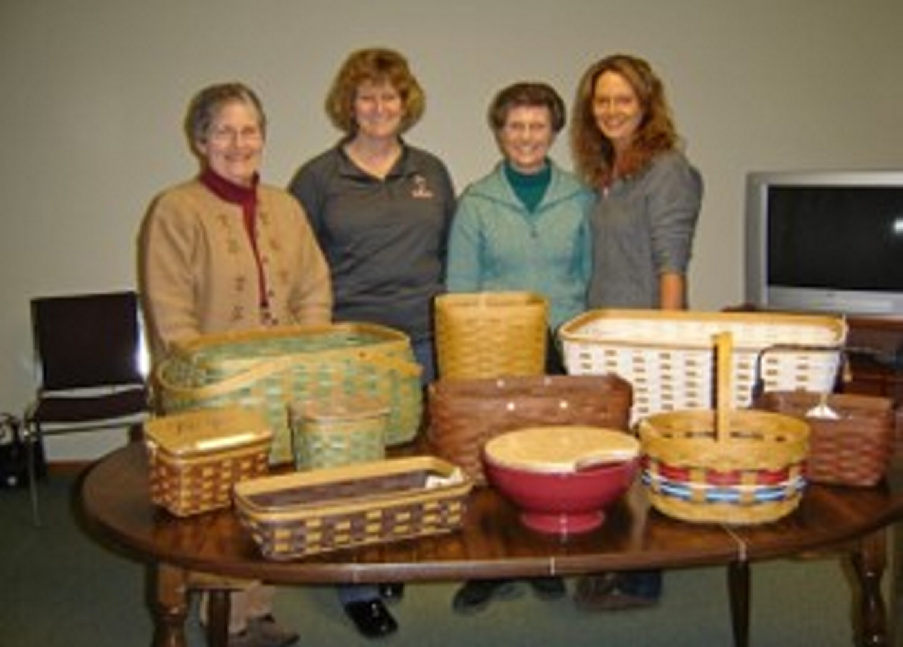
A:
(594, 154)
(377, 65)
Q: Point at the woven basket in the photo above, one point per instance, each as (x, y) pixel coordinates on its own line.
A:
(491, 334)
(667, 356)
(724, 466)
(269, 369)
(195, 458)
(855, 448)
(307, 513)
(338, 431)
(465, 414)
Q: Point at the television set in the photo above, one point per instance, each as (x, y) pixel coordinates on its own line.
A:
(825, 242)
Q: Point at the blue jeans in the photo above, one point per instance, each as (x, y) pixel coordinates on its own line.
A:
(644, 584)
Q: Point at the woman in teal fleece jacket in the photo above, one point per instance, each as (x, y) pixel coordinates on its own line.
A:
(524, 225)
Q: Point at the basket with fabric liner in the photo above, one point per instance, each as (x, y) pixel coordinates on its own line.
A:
(195, 458)
(291, 516)
(723, 465)
(851, 439)
(490, 334)
(268, 369)
(338, 430)
(667, 355)
(465, 414)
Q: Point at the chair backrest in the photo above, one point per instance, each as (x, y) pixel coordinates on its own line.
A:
(87, 340)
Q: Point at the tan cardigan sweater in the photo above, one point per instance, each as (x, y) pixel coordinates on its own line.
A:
(197, 272)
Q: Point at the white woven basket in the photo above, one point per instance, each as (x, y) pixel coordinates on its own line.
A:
(667, 356)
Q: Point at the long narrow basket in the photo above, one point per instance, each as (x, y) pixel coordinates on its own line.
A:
(466, 414)
(724, 466)
(296, 515)
(260, 371)
(668, 356)
(491, 334)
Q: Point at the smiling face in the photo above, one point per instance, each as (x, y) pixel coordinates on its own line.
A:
(233, 145)
(616, 108)
(378, 110)
(526, 137)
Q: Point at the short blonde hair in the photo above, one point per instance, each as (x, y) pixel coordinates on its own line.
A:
(376, 65)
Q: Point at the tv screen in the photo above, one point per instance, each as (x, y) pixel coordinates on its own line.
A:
(826, 241)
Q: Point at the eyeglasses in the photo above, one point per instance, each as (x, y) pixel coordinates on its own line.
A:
(225, 134)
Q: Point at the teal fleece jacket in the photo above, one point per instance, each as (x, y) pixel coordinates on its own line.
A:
(496, 244)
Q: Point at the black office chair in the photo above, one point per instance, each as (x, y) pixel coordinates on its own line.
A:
(88, 355)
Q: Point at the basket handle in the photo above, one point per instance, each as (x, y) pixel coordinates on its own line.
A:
(724, 347)
(758, 387)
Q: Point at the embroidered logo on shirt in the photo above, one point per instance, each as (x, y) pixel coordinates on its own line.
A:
(420, 189)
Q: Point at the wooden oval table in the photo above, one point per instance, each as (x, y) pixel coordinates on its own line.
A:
(115, 504)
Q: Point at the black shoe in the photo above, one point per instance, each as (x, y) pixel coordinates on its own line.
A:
(391, 591)
(548, 588)
(371, 618)
(475, 595)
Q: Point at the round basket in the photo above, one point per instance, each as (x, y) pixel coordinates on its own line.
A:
(723, 466)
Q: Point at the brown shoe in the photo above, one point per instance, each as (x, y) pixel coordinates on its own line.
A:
(602, 593)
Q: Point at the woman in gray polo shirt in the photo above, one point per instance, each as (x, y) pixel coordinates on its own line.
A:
(381, 210)
(648, 197)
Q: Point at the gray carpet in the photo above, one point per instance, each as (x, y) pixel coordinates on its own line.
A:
(59, 588)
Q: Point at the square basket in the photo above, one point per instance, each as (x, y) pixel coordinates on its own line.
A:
(667, 356)
(295, 515)
(195, 458)
(851, 438)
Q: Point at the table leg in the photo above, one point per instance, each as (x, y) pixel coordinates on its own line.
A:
(870, 562)
(738, 592)
(169, 605)
(218, 618)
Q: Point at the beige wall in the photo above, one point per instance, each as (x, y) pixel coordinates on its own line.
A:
(94, 93)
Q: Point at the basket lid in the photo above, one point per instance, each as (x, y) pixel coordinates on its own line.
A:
(561, 448)
(207, 430)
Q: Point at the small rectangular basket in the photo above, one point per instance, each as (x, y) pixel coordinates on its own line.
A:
(466, 414)
(668, 356)
(339, 430)
(306, 513)
(491, 334)
(195, 458)
(722, 465)
(853, 449)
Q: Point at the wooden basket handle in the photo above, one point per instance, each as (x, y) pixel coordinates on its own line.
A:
(724, 347)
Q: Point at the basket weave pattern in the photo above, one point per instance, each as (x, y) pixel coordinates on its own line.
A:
(305, 514)
(668, 356)
(491, 334)
(269, 369)
(466, 414)
(855, 449)
(190, 486)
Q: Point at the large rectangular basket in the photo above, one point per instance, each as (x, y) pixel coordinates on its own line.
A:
(268, 369)
(853, 449)
(667, 356)
(295, 515)
(195, 458)
(466, 414)
(491, 334)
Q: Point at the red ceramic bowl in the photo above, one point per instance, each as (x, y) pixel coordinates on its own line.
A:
(551, 495)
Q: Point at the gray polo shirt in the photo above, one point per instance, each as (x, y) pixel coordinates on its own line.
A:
(384, 239)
